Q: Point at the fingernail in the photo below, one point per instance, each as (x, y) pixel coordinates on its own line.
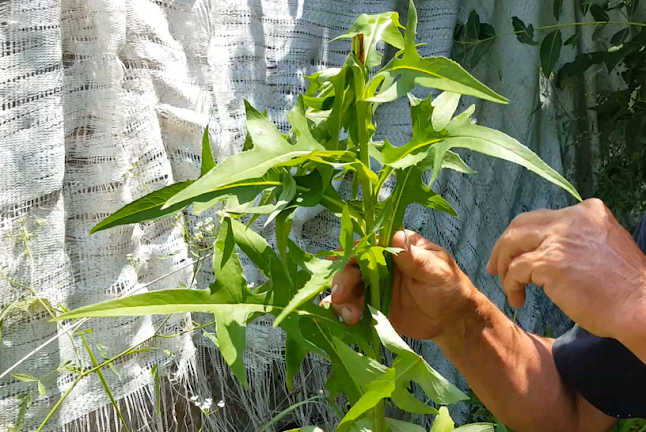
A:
(335, 288)
(340, 318)
(346, 313)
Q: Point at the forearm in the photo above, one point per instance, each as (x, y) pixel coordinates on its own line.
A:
(512, 372)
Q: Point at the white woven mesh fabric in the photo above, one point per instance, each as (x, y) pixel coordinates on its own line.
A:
(104, 101)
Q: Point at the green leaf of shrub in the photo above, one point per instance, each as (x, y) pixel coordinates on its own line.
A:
(550, 51)
(524, 33)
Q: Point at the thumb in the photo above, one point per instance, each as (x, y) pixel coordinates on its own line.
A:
(419, 256)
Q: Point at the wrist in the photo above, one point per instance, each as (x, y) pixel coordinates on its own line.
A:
(471, 321)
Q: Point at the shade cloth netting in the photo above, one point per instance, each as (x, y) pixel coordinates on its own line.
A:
(104, 101)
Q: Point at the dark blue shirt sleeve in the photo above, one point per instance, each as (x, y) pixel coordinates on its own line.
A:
(602, 370)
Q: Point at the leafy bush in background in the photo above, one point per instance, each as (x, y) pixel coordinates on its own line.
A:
(617, 174)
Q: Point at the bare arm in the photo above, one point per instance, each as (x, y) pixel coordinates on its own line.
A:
(585, 262)
(514, 374)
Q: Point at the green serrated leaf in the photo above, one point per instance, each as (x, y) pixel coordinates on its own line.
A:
(433, 72)
(462, 133)
(360, 368)
(168, 302)
(443, 74)
(411, 366)
(270, 149)
(231, 335)
(287, 194)
(255, 247)
(550, 51)
(238, 197)
(322, 272)
(146, 208)
(410, 189)
(378, 389)
(226, 234)
(229, 276)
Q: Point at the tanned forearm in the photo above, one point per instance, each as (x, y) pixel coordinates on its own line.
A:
(514, 374)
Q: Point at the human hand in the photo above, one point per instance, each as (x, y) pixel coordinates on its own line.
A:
(582, 258)
(429, 290)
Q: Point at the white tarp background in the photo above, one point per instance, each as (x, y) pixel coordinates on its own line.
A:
(103, 101)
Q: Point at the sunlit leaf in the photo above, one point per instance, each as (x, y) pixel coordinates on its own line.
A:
(443, 422)
(230, 279)
(207, 156)
(444, 106)
(375, 28)
(378, 389)
(411, 366)
(146, 208)
(322, 273)
(462, 133)
(167, 302)
(270, 149)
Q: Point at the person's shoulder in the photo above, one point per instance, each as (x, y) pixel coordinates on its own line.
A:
(603, 371)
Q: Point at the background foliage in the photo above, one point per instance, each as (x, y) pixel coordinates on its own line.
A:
(615, 171)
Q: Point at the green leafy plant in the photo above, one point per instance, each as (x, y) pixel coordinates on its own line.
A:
(331, 139)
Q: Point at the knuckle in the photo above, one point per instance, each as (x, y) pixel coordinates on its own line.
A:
(509, 235)
(594, 203)
(523, 219)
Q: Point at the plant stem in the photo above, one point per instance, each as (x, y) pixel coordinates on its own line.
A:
(98, 367)
(364, 114)
(104, 383)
